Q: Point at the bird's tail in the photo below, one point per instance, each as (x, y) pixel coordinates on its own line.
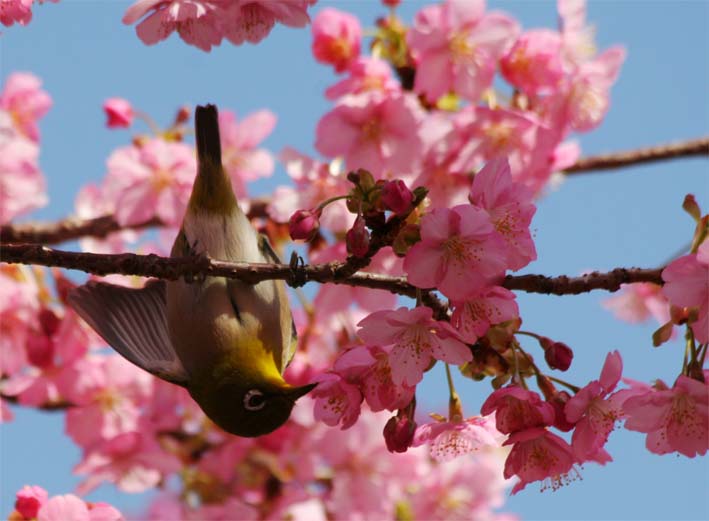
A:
(212, 189)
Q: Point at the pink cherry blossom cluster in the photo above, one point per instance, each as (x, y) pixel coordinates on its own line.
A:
(205, 23)
(22, 184)
(33, 502)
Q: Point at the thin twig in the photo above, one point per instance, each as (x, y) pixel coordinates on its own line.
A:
(173, 268)
(694, 147)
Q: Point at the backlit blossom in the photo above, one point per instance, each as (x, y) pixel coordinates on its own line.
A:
(675, 420)
(475, 315)
(252, 20)
(637, 302)
(19, 308)
(511, 209)
(241, 157)
(459, 252)
(373, 131)
(517, 409)
(687, 285)
(451, 439)
(416, 339)
(534, 63)
(336, 401)
(69, 506)
(595, 412)
(23, 98)
(456, 47)
(365, 74)
(536, 455)
(151, 180)
(336, 38)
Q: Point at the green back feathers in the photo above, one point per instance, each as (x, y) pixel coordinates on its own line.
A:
(212, 189)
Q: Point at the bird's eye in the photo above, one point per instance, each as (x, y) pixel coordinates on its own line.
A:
(254, 400)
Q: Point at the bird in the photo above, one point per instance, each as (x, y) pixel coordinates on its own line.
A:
(226, 341)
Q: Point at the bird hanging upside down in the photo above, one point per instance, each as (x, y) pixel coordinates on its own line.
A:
(225, 341)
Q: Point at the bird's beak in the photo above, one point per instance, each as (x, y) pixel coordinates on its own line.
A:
(296, 392)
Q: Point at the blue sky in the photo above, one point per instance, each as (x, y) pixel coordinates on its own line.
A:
(630, 217)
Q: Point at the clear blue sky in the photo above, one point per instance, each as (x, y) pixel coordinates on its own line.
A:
(595, 221)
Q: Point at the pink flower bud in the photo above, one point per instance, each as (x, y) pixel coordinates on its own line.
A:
(29, 500)
(558, 355)
(391, 3)
(119, 113)
(357, 238)
(397, 197)
(399, 433)
(304, 224)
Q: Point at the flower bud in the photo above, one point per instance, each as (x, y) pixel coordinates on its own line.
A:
(304, 224)
(397, 197)
(29, 500)
(391, 3)
(558, 356)
(558, 401)
(119, 113)
(399, 433)
(183, 115)
(357, 238)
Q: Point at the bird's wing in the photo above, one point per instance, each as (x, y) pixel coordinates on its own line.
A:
(290, 347)
(133, 322)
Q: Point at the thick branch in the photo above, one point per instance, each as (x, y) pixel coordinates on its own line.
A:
(694, 147)
(188, 267)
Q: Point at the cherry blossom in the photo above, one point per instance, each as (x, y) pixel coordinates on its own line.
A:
(456, 47)
(637, 302)
(151, 180)
(491, 305)
(536, 455)
(372, 131)
(534, 63)
(455, 438)
(19, 11)
(416, 339)
(675, 419)
(365, 74)
(19, 308)
(252, 20)
(23, 98)
(29, 499)
(687, 285)
(517, 409)
(33, 502)
(459, 253)
(336, 38)
(336, 401)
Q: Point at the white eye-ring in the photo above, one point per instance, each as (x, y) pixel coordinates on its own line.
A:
(254, 400)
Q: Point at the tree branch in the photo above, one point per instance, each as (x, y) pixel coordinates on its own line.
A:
(694, 147)
(331, 272)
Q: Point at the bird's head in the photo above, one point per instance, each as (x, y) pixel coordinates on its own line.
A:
(246, 407)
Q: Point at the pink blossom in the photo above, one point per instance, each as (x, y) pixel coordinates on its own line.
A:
(456, 47)
(537, 454)
(517, 409)
(22, 185)
(336, 38)
(152, 180)
(637, 302)
(243, 161)
(69, 506)
(197, 22)
(315, 182)
(687, 285)
(675, 420)
(6, 414)
(92, 202)
(490, 306)
(455, 438)
(19, 308)
(373, 131)
(595, 412)
(511, 209)
(133, 461)
(29, 499)
(459, 253)
(366, 74)
(107, 393)
(119, 113)
(416, 339)
(336, 401)
(19, 11)
(23, 98)
(369, 368)
(252, 20)
(577, 36)
(534, 63)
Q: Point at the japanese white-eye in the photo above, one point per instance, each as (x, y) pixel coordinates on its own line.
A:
(225, 341)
